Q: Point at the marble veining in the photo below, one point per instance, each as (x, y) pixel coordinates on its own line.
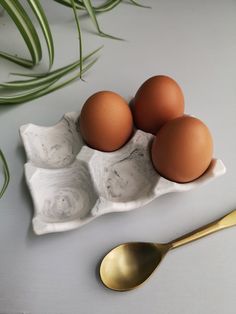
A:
(71, 183)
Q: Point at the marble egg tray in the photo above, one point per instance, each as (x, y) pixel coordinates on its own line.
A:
(71, 183)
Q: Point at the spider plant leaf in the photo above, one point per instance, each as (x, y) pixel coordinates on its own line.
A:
(80, 36)
(21, 61)
(24, 96)
(5, 172)
(79, 2)
(42, 19)
(27, 30)
(90, 10)
(139, 4)
(107, 6)
(42, 90)
(35, 82)
(63, 84)
(67, 3)
(44, 78)
(102, 34)
(93, 17)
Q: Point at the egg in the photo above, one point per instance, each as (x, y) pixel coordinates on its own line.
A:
(106, 122)
(182, 149)
(157, 101)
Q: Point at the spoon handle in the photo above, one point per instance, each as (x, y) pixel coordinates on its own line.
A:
(222, 223)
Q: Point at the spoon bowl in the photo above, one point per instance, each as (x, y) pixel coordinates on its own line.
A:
(128, 265)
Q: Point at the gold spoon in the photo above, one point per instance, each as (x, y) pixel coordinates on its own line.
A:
(130, 264)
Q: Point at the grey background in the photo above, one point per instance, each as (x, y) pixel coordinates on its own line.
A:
(192, 41)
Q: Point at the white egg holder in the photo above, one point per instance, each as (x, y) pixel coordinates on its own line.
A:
(71, 184)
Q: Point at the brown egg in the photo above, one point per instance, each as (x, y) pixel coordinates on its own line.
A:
(106, 121)
(182, 149)
(157, 101)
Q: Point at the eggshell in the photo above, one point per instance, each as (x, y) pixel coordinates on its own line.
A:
(106, 122)
(182, 149)
(157, 101)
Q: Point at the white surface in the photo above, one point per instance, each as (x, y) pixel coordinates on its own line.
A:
(192, 41)
(71, 183)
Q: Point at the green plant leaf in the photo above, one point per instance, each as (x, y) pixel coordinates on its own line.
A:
(43, 89)
(27, 30)
(46, 77)
(92, 14)
(80, 36)
(67, 3)
(25, 95)
(40, 14)
(91, 10)
(6, 174)
(38, 86)
(107, 6)
(63, 84)
(140, 5)
(21, 61)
